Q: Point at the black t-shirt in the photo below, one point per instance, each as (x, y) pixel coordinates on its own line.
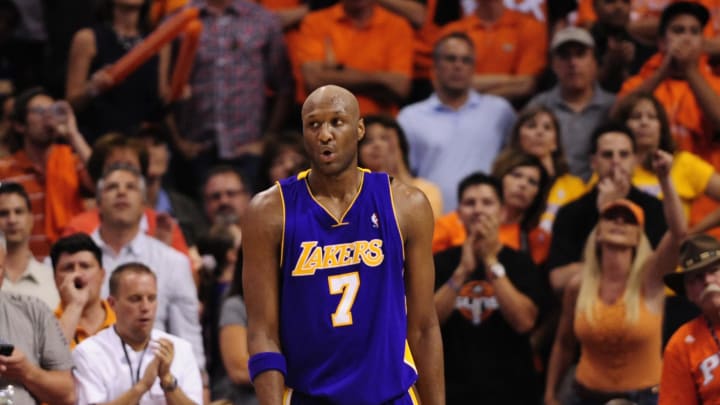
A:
(486, 361)
(576, 220)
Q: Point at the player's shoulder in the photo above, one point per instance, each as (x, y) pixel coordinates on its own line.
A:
(267, 199)
(409, 200)
(266, 208)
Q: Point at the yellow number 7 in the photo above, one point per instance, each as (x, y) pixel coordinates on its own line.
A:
(346, 284)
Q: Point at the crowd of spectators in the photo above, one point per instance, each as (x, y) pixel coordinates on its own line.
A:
(534, 128)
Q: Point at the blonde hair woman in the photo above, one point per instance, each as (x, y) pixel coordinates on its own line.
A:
(614, 309)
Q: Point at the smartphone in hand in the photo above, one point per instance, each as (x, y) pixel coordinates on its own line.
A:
(6, 349)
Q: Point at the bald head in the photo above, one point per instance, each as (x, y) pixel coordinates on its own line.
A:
(334, 97)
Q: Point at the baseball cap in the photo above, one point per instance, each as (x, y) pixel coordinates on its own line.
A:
(683, 8)
(635, 210)
(571, 34)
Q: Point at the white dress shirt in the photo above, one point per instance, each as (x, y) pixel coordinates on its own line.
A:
(103, 372)
(178, 307)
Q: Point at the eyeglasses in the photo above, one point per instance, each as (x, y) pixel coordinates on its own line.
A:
(466, 60)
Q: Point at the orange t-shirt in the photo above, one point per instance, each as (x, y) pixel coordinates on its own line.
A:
(691, 366)
(19, 169)
(450, 232)
(515, 44)
(652, 8)
(89, 221)
(80, 333)
(639, 9)
(690, 128)
(385, 44)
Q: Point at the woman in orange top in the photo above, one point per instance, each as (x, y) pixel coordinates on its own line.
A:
(524, 185)
(614, 308)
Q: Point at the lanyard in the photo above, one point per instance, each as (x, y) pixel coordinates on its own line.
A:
(136, 378)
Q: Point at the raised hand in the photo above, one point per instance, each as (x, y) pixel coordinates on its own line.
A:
(74, 291)
(662, 163)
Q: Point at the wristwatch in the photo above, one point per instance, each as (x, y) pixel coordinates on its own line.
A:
(170, 387)
(498, 270)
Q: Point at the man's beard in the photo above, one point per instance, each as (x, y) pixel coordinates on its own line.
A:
(226, 215)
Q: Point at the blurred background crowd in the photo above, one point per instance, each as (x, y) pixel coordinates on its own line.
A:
(540, 114)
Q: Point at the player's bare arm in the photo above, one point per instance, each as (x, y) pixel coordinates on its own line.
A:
(423, 331)
(262, 235)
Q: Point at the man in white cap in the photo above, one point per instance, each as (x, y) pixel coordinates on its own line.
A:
(577, 100)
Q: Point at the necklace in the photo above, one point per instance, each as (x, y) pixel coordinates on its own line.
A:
(126, 42)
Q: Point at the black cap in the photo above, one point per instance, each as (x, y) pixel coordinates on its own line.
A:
(681, 8)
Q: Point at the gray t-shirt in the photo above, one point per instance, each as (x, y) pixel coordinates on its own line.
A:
(233, 312)
(29, 325)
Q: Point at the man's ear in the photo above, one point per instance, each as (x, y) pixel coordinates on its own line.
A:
(361, 129)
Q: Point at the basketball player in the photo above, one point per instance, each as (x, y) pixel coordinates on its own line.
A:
(338, 277)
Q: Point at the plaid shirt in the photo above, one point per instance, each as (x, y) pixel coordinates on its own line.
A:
(241, 54)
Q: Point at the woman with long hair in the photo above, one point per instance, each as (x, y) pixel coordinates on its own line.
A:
(102, 106)
(537, 133)
(524, 185)
(614, 308)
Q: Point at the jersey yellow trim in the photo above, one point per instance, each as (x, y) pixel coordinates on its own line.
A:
(287, 396)
(397, 222)
(408, 358)
(303, 174)
(282, 236)
(338, 221)
(413, 396)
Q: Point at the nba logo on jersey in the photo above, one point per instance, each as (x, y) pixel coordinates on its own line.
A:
(375, 221)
